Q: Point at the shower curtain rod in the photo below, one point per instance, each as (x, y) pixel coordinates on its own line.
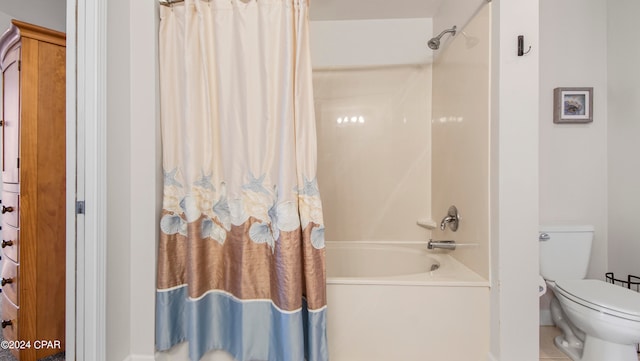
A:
(169, 2)
(172, 2)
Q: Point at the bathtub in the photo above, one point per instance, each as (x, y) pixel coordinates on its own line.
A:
(390, 302)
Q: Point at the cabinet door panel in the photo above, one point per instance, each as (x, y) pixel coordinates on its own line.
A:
(11, 119)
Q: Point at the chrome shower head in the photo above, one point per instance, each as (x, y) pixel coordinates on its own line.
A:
(434, 43)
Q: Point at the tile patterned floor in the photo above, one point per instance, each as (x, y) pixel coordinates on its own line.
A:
(548, 350)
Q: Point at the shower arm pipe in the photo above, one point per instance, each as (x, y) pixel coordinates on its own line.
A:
(453, 32)
(482, 4)
(461, 28)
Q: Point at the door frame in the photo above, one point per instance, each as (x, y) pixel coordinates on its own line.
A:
(86, 179)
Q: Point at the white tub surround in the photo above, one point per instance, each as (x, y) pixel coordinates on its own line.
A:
(419, 315)
(379, 263)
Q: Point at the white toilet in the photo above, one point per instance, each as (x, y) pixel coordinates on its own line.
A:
(600, 321)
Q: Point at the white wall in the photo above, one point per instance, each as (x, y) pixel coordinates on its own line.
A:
(119, 150)
(47, 13)
(357, 43)
(373, 9)
(573, 157)
(134, 181)
(514, 182)
(623, 135)
(146, 174)
(5, 21)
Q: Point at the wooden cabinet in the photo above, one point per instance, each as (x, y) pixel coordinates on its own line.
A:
(32, 60)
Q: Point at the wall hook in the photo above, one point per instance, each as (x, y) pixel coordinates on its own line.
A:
(521, 51)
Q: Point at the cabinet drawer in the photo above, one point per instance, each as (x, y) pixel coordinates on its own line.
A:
(9, 320)
(10, 208)
(9, 280)
(10, 240)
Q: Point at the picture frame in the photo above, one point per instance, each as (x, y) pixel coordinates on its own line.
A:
(572, 105)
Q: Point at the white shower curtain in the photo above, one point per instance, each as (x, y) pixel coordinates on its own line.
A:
(241, 254)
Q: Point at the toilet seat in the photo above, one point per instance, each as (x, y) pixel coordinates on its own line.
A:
(602, 296)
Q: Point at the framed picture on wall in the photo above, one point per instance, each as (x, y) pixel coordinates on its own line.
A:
(573, 105)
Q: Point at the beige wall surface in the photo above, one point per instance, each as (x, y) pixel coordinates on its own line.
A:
(374, 151)
(134, 179)
(573, 157)
(623, 133)
(372, 42)
(120, 150)
(460, 132)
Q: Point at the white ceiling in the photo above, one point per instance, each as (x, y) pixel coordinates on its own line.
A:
(372, 9)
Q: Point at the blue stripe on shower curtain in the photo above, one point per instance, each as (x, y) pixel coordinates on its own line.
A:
(254, 330)
(170, 317)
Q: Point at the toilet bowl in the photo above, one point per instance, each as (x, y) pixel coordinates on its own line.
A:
(599, 321)
(602, 320)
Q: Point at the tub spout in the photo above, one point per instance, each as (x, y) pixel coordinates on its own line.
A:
(451, 245)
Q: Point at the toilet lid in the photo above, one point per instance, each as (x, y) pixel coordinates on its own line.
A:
(603, 296)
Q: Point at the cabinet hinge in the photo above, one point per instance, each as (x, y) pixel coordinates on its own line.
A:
(18, 163)
(19, 65)
(80, 207)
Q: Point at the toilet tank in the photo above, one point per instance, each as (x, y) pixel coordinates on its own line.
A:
(565, 254)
